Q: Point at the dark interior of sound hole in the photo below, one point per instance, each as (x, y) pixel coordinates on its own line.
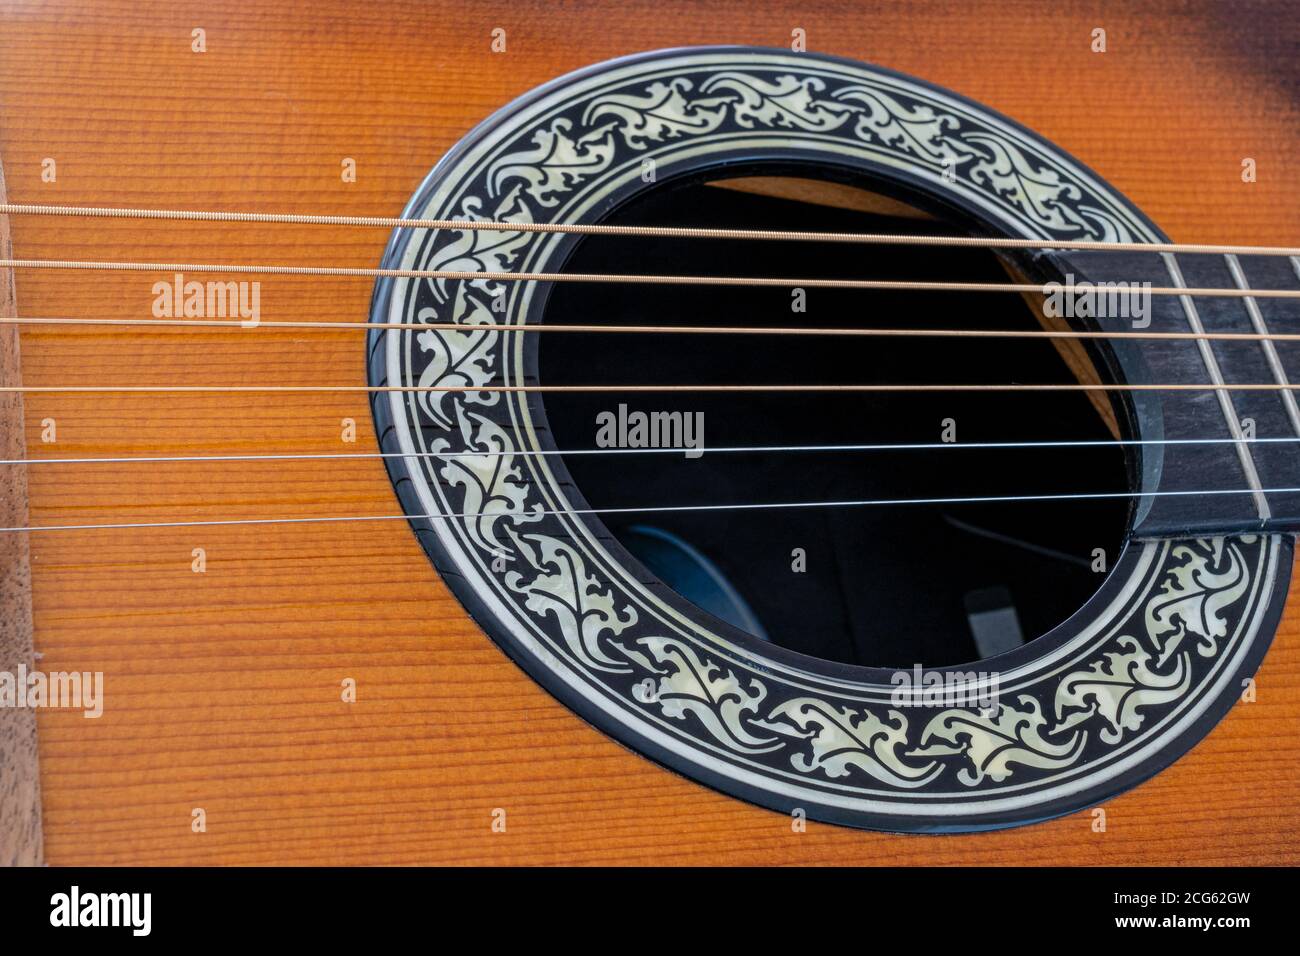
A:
(885, 586)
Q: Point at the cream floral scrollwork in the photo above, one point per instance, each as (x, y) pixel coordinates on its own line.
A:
(828, 733)
(920, 130)
(1208, 578)
(491, 480)
(784, 102)
(841, 738)
(1203, 580)
(994, 742)
(1116, 689)
(455, 358)
(690, 684)
(566, 590)
(556, 163)
(664, 112)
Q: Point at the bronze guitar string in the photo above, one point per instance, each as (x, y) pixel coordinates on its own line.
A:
(664, 232)
(623, 278)
(327, 325)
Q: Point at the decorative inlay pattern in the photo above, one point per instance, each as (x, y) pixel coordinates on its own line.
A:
(1095, 700)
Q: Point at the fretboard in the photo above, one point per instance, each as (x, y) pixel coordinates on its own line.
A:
(1253, 463)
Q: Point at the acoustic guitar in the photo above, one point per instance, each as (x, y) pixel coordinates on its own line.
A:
(649, 433)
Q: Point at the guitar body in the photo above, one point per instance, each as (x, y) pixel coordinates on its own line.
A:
(229, 650)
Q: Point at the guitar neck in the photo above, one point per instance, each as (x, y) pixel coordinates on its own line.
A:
(1254, 457)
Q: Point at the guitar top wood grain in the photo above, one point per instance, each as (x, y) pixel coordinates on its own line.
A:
(223, 688)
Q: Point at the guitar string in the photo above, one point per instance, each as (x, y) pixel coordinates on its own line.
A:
(617, 278)
(657, 329)
(675, 232)
(651, 509)
(725, 450)
(639, 389)
(665, 232)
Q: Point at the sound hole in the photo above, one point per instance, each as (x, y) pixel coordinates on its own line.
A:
(886, 586)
